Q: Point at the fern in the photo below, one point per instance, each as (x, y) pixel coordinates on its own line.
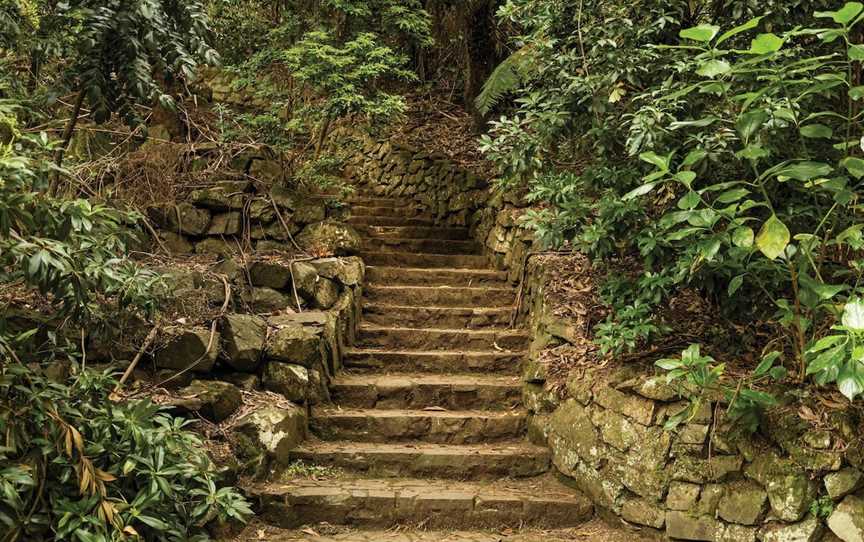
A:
(506, 78)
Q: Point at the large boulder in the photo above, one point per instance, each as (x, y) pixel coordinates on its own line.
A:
(348, 271)
(270, 432)
(224, 196)
(226, 224)
(847, 520)
(289, 380)
(326, 294)
(213, 400)
(244, 336)
(296, 343)
(330, 238)
(186, 346)
(266, 300)
(269, 274)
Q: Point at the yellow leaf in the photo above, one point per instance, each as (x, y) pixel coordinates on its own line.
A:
(105, 476)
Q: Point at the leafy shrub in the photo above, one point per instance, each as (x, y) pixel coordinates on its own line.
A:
(77, 466)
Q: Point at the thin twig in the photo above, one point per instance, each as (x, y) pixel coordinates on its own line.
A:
(147, 342)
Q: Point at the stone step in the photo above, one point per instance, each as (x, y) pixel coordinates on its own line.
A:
(389, 211)
(415, 232)
(404, 259)
(381, 314)
(406, 338)
(469, 462)
(436, 426)
(540, 502)
(375, 201)
(442, 296)
(426, 246)
(356, 220)
(419, 391)
(505, 363)
(405, 276)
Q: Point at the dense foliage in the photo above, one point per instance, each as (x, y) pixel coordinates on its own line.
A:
(716, 143)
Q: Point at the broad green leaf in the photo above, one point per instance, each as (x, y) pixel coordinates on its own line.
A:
(817, 131)
(702, 33)
(850, 381)
(689, 201)
(855, 166)
(753, 153)
(766, 43)
(686, 177)
(700, 123)
(653, 158)
(669, 364)
(826, 342)
(766, 363)
(749, 123)
(743, 237)
(853, 315)
(805, 171)
(713, 68)
(856, 52)
(843, 15)
(773, 238)
(856, 93)
(694, 157)
(640, 191)
(736, 194)
(703, 218)
(749, 25)
(734, 285)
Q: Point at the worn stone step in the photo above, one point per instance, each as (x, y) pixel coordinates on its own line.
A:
(381, 314)
(505, 363)
(406, 338)
(365, 220)
(426, 246)
(405, 276)
(405, 259)
(437, 426)
(442, 504)
(415, 232)
(389, 211)
(375, 201)
(468, 462)
(419, 391)
(442, 296)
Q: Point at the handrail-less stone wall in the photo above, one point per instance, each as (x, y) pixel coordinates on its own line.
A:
(697, 482)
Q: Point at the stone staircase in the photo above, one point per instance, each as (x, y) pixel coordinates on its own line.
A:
(427, 426)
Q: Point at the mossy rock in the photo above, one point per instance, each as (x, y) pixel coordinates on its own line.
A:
(330, 238)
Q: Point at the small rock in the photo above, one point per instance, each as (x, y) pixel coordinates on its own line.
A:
(270, 274)
(687, 527)
(790, 496)
(682, 496)
(847, 520)
(742, 503)
(186, 346)
(309, 213)
(266, 300)
(182, 218)
(808, 530)
(296, 343)
(214, 400)
(844, 482)
(275, 431)
(225, 224)
(214, 247)
(348, 271)
(326, 294)
(330, 238)
(292, 381)
(225, 196)
(643, 513)
(175, 243)
(305, 279)
(244, 336)
(244, 381)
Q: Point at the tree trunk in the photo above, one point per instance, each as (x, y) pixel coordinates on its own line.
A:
(67, 138)
(478, 31)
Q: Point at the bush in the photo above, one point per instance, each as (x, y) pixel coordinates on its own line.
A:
(77, 466)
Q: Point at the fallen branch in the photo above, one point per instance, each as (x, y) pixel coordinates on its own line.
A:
(147, 342)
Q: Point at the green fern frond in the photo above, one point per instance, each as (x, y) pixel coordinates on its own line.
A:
(506, 78)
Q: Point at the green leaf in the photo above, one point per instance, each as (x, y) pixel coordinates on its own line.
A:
(853, 315)
(817, 131)
(736, 194)
(855, 166)
(689, 201)
(773, 238)
(735, 284)
(766, 363)
(753, 153)
(694, 157)
(843, 15)
(850, 381)
(655, 159)
(685, 177)
(702, 33)
(743, 237)
(701, 123)
(856, 52)
(640, 191)
(765, 44)
(856, 93)
(669, 364)
(749, 123)
(805, 171)
(749, 25)
(713, 68)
